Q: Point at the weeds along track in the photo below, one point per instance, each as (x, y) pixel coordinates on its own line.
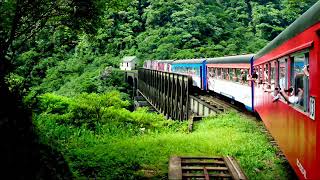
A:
(223, 105)
(219, 104)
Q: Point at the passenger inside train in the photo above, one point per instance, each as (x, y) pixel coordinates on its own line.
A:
(254, 77)
(295, 94)
(243, 76)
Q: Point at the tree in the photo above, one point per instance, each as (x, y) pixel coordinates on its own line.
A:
(21, 22)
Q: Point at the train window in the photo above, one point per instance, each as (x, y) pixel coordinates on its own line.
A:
(228, 74)
(209, 72)
(260, 74)
(266, 73)
(243, 76)
(234, 78)
(217, 73)
(273, 66)
(300, 80)
(196, 71)
(233, 75)
(255, 75)
(283, 79)
(266, 77)
(222, 73)
(225, 73)
(212, 72)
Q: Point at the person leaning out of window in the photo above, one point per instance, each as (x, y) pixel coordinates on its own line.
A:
(294, 95)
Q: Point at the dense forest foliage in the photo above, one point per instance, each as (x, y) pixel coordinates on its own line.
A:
(59, 59)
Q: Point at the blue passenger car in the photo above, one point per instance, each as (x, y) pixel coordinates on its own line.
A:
(193, 67)
(229, 76)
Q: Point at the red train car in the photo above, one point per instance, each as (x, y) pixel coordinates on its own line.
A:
(293, 60)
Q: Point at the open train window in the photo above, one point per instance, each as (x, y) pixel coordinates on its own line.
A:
(214, 72)
(244, 75)
(210, 72)
(219, 73)
(282, 73)
(227, 74)
(237, 76)
(266, 73)
(266, 77)
(223, 73)
(260, 68)
(231, 74)
(255, 74)
(300, 80)
(196, 71)
(273, 66)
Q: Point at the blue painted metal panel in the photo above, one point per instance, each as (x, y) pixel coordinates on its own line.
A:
(196, 76)
(252, 84)
(204, 75)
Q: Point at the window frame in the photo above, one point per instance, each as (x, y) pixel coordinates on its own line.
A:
(273, 74)
(306, 80)
(285, 61)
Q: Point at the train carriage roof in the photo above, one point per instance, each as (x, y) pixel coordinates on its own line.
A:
(165, 61)
(189, 61)
(240, 59)
(308, 19)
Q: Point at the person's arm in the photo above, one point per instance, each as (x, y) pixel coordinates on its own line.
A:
(300, 94)
(305, 71)
(284, 95)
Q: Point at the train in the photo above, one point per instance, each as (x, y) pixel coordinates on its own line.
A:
(279, 83)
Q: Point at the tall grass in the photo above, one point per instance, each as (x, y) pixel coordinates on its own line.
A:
(134, 145)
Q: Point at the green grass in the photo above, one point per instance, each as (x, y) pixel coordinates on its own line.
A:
(146, 154)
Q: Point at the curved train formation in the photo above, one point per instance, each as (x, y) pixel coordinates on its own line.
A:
(280, 83)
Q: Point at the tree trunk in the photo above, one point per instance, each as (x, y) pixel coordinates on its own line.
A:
(250, 18)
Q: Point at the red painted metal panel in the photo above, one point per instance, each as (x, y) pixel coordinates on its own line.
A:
(296, 133)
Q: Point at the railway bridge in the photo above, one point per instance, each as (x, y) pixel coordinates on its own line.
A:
(171, 94)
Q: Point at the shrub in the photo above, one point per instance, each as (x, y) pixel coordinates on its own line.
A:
(84, 109)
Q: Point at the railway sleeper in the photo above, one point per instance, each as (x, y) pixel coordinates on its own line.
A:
(205, 168)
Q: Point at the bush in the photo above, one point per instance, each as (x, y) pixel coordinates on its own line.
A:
(84, 109)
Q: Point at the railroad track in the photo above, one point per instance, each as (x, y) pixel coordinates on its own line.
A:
(214, 101)
(185, 168)
(204, 105)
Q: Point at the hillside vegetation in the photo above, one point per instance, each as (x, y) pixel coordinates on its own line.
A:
(63, 100)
